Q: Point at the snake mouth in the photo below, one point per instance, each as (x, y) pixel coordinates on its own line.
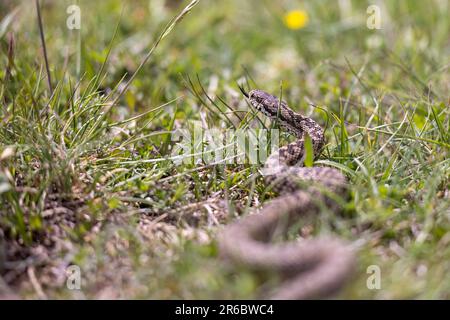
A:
(260, 107)
(254, 102)
(243, 91)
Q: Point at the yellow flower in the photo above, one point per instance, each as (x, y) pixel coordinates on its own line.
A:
(296, 19)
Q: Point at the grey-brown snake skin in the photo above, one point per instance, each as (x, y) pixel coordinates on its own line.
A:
(310, 268)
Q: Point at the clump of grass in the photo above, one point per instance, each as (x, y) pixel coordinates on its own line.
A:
(50, 144)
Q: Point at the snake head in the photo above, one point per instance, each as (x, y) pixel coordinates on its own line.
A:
(264, 102)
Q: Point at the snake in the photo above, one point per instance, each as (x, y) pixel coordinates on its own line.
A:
(312, 268)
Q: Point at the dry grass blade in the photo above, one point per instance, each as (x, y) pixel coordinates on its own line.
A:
(44, 47)
(164, 34)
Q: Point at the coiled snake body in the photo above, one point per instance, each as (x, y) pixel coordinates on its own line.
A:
(312, 268)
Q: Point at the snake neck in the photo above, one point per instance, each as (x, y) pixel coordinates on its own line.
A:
(294, 153)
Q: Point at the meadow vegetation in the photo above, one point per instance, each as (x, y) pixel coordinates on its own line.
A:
(85, 174)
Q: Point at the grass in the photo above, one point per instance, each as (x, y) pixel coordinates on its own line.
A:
(86, 176)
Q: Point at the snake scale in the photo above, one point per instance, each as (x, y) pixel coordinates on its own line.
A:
(310, 268)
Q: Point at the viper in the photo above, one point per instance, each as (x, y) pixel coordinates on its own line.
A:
(310, 268)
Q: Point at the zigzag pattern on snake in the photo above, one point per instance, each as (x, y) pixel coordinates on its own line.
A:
(312, 268)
